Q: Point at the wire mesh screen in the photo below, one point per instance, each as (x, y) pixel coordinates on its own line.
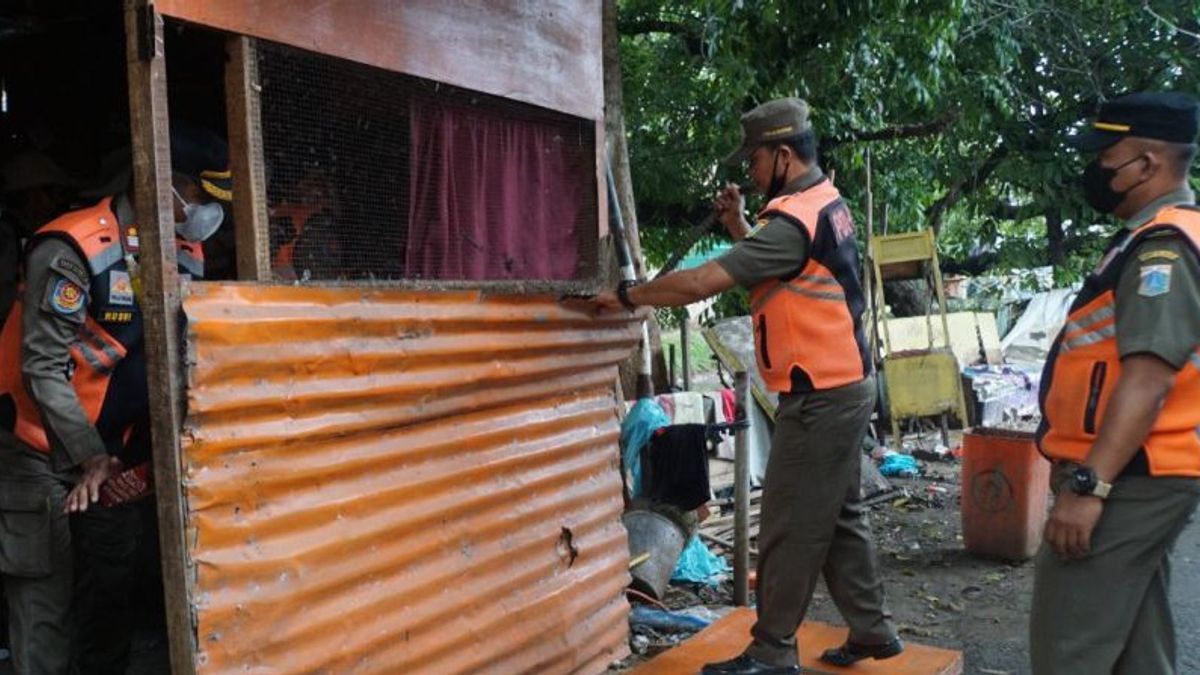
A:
(375, 175)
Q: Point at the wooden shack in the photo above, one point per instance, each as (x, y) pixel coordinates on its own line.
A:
(400, 454)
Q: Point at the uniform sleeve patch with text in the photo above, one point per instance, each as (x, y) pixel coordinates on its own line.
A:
(1155, 280)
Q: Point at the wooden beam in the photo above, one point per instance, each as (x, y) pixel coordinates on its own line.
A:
(546, 52)
(246, 160)
(160, 305)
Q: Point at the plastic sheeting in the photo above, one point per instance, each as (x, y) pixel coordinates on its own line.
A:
(1031, 337)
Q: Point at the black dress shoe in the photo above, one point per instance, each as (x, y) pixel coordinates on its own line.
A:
(747, 665)
(850, 653)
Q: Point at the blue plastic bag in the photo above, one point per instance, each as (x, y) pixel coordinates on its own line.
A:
(699, 565)
(897, 464)
(666, 621)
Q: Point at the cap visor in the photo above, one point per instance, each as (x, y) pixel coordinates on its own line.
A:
(1095, 140)
(738, 156)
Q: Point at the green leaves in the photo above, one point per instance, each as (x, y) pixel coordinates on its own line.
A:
(1014, 77)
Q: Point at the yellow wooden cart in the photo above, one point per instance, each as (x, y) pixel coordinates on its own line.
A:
(924, 382)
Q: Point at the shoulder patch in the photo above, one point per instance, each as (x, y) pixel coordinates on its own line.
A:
(67, 297)
(69, 269)
(839, 219)
(1155, 280)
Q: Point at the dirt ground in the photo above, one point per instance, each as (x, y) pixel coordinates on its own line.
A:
(941, 595)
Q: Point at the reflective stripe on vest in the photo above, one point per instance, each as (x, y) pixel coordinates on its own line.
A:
(808, 329)
(1085, 365)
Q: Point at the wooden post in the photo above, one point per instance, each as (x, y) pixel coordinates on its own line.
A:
(160, 305)
(246, 160)
(741, 495)
(685, 345)
(670, 367)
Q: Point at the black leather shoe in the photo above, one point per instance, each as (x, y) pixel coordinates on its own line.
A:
(747, 665)
(851, 653)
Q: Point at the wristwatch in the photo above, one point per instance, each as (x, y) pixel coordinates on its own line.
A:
(1084, 482)
(623, 294)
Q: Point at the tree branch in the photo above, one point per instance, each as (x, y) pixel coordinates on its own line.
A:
(691, 35)
(936, 211)
(931, 128)
(1162, 19)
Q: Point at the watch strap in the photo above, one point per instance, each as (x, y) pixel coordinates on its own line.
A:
(623, 294)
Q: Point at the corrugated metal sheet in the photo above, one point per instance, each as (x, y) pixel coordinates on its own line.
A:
(400, 482)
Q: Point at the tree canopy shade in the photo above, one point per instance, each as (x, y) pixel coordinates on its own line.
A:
(964, 104)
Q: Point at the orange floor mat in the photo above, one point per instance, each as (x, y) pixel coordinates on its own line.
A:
(729, 636)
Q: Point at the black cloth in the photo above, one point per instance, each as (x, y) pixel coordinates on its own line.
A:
(675, 466)
(117, 583)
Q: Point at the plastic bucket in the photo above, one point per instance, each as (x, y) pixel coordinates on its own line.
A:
(663, 539)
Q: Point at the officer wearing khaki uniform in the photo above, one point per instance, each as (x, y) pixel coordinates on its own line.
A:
(801, 265)
(1119, 404)
(72, 391)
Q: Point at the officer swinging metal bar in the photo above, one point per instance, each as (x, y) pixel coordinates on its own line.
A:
(161, 308)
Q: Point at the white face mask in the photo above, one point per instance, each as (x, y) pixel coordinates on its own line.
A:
(201, 221)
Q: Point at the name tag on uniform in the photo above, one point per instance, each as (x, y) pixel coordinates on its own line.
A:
(120, 288)
(1155, 280)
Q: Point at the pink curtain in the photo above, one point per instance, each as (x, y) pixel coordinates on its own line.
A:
(493, 197)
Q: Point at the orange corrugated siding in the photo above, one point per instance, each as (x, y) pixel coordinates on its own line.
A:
(379, 481)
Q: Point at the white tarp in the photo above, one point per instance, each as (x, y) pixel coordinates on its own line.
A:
(1031, 337)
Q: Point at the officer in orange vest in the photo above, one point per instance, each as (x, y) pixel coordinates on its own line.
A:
(303, 235)
(801, 264)
(72, 388)
(1121, 404)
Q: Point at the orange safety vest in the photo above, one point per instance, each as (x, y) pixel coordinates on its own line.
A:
(1084, 366)
(808, 331)
(107, 367)
(299, 214)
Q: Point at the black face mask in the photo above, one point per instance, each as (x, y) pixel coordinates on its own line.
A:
(1097, 185)
(777, 180)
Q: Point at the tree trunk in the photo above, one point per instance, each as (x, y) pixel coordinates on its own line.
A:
(618, 152)
(1055, 237)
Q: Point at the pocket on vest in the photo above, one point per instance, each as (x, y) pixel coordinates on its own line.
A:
(1095, 389)
(762, 341)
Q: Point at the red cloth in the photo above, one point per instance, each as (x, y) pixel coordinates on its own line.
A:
(135, 483)
(493, 196)
(667, 404)
(729, 402)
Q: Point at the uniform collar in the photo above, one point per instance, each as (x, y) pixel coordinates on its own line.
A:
(1174, 198)
(123, 209)
(803, 182)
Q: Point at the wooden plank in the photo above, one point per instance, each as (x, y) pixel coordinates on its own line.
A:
(547, 53)
(973, 336)
(732, 341)
(160, 305)
(601, 189)
(246, 160)
(728, 637)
